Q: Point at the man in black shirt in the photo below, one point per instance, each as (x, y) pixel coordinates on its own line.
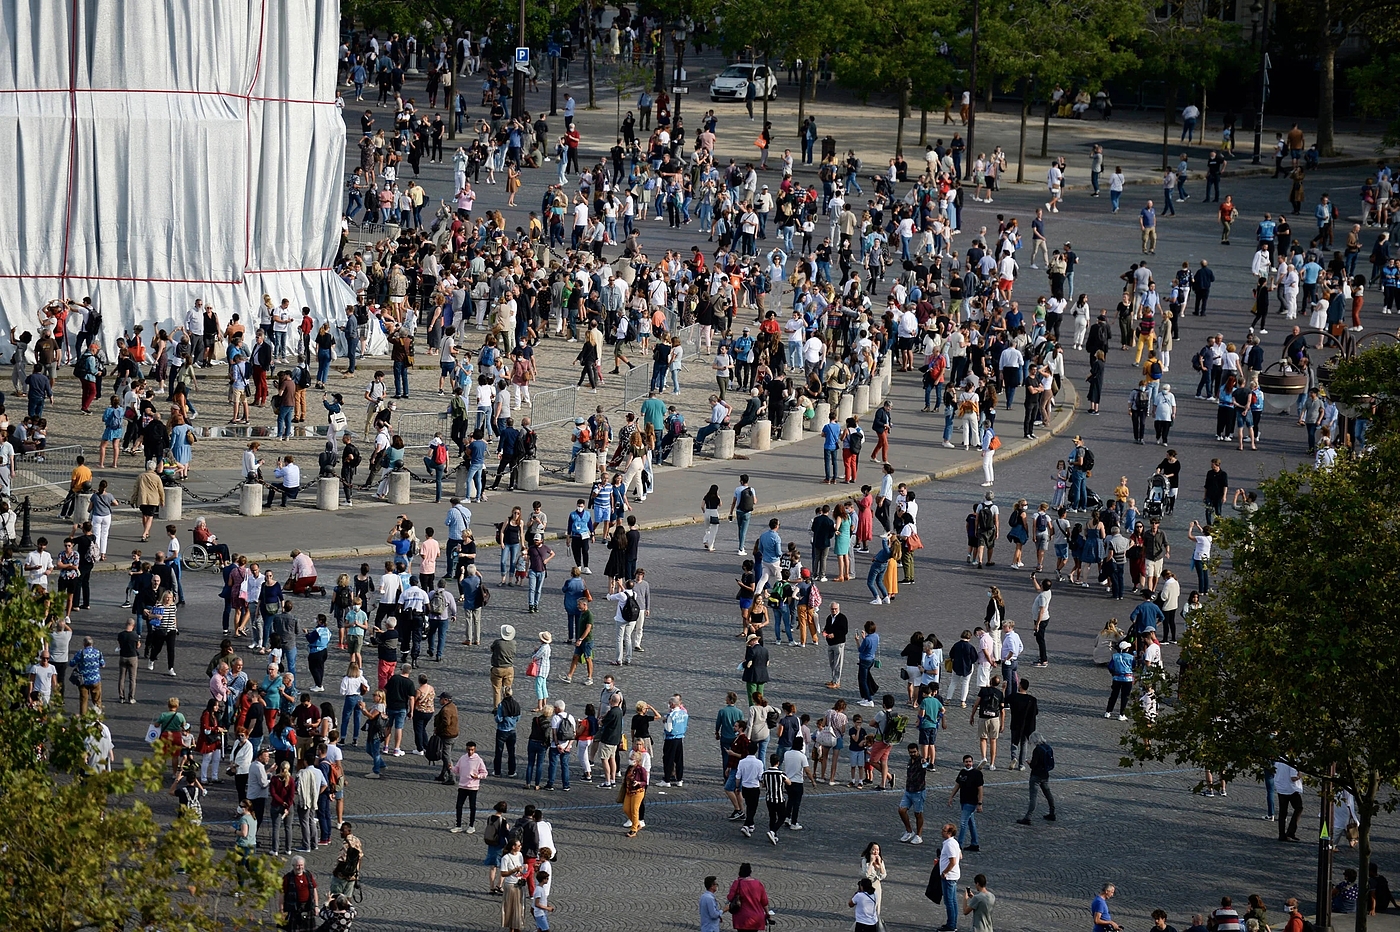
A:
(609, 737)
(1217, 484)
(823, 532)
(1024, 709)
(968, 790)
(1215, 165)
(834, 630)
(129, 652)
(399, 695)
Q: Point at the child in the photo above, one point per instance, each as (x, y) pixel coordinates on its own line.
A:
(132, 572)
(1193, 603)
(542, 907)
(859, 742)
(363, 583)
(1120, 497)
(1061, 485)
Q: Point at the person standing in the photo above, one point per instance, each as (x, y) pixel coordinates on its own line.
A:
(674, 725)
(775, 784)
(469, 770)
(912, 800)
(834, 631)
(968, 790)
(634, 790)
(711, 912)
(1040, 615)
(446, 728)
(1024, 710)
(1042, 762)
(748, 901)
(949, 872)
(743, 503)
(502, 664)
(979, 904)
(1103, 920)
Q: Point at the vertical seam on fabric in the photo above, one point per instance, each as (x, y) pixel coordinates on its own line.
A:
(72, 146)
(248, 142)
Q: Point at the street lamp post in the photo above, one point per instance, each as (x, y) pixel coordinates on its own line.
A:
(972, 92)
(1259, 19)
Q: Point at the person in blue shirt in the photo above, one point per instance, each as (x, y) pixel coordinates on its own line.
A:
(769, 550)
(574, 588)
(1121, 666)
(866, 651)
(831, 448)
(1103, 921)
(875, 578)
(674, 725)
(476, 467)
(1147, 221)
(318, 640)
(1146, 617)
(507, 715)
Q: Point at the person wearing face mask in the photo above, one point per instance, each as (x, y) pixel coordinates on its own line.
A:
(580, 530)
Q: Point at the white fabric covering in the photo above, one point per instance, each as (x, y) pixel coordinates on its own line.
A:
(167, 150)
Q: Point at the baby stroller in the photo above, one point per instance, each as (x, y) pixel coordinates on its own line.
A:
(1156, 504)
(1092, 502)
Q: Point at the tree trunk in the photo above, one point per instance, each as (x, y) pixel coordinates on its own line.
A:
(923, 126)
(588, 35)
(903, 115)
(1203, 113)
(1045, 131)
(987, 101)
(765, 96)
(1025, 115)
(1366, 805)
(1326, 89)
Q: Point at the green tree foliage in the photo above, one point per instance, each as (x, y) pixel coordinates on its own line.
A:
(1294, 655)
(1185, 47)
(1372, 94)
(83, 850)
(1042, 43)
(787, 30)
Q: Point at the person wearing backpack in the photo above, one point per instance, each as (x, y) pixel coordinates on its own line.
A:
(1042, 762)
(989, 717)
(743, 503)
(563, 736)
(629, 609)
(889, 731)
(987, 527)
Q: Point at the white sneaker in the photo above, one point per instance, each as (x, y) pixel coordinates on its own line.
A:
(877, 601)
(906, 836)
(917, 840)
(746, 831)
(795, 826)
(456, 830)
(773, 837)
(1122, 718)
(471, 829)
(742, 553)
(889, 600)
(1108, 715)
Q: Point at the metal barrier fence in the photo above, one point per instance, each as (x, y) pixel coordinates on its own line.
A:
(417, 429)
(552, 407)
(48, 470)
(364, 234)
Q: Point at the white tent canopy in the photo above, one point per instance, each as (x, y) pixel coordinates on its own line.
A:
(166, 150)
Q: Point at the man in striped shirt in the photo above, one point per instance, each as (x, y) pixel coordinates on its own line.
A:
(775, 784)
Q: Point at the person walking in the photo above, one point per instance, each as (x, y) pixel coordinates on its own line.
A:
(1120, 665)
(748, 901)
(634, 789)
(834, 632)
(968, 790)
(1042, 762)
(946, 875)
(469, 771)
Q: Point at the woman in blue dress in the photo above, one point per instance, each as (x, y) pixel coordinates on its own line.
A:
(1093, 548)
(182, 446)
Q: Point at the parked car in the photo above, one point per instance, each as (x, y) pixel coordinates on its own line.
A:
(733, 83)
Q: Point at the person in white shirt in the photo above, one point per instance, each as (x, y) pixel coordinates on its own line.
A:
(1011, 648)
(39, 564)
(1289, 786)
(950, 872)
(288, 481)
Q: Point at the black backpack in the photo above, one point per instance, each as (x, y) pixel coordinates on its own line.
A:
(989, 703)
(854, 440)
(631, 611)
(746, 500)
(1087, 463)
(986, 521)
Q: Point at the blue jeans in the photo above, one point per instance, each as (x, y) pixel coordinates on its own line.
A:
(179, 567)
(1114, 197)
(476, 481)
(510, 555)
(284, 420)
(782, 621)
(289, 654)
(863, 668)
(401, 379)
(1202, 575)
(950, 902)
(968, 821)
(875, 581)
(1078, 494)
(675, 380)
(831, 465)
(1115, 579)
(355, 709)
(561, 760)
(323, 365)
(374, 746)
(536, 587)
(534, 762)
(742, 519)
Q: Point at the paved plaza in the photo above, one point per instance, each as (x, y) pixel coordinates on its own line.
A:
(1141, 828)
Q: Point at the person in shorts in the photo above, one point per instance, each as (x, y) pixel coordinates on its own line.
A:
(912, 800)
(930, 712)
(497, 827)
(859, 742)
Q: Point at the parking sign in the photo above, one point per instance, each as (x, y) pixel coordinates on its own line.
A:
(522, 56)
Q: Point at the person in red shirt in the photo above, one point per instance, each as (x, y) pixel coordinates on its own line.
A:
(300, 899)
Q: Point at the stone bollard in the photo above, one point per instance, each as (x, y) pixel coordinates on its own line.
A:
(823, 415)
(683, 453)
(586, 469)
(877, 392)
(792, 426)
(328, 494)
(250, 504)
(762, 436)
(862, 400)
(845, 407)
(399, 487)
(81, 511)
(461, 477)
(528, 479)
(174, 507)
(887, 365)
(724, 444)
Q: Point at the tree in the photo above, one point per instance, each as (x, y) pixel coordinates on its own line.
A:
(789, 29)
(1294, 656)
(1046, 42)
(83, 850)
(1184, 48)
(1333, 22)
(1370, 90)
(898, 46)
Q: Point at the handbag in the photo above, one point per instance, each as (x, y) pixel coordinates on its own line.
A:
(152, 733)
(533, 669)
(915, 542)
